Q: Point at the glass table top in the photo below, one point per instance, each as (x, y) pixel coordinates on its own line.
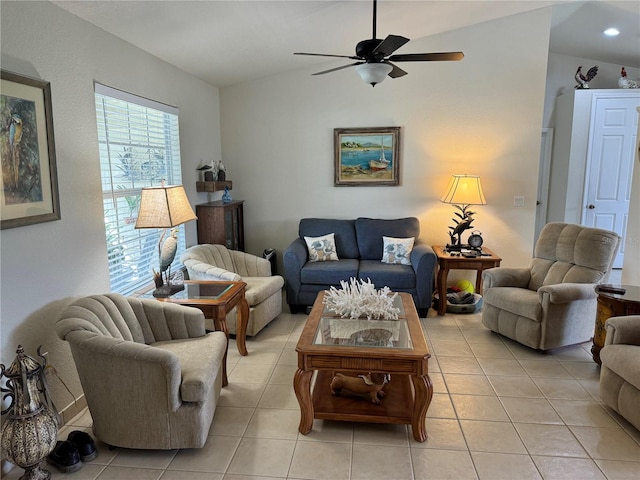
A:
(347, 332)
(198, 291)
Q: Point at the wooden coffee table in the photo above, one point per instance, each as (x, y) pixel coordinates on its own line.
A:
(216, 299)
(329, 344)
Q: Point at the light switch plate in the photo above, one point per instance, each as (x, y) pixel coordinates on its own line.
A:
(518, 201)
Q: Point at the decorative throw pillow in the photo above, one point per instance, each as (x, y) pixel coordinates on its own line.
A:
(397, 250)
(322, 249)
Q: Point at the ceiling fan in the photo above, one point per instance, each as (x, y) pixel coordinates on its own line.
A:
(374, 59)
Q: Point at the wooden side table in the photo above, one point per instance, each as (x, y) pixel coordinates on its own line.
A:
(448, 261)
(612, 305)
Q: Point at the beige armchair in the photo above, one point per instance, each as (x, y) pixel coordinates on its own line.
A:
(552, 302)
(263, 291)
(150, 373)
(620, 372)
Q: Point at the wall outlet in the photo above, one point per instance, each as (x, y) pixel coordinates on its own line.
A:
(518, 201)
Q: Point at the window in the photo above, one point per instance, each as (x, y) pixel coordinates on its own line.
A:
(139, 147)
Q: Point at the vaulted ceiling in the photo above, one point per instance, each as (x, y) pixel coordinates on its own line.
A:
(228, 42)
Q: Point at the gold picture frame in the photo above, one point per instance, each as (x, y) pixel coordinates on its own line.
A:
(28, 172)
(366, 156)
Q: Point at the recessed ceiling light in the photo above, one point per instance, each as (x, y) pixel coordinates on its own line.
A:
(611, 32)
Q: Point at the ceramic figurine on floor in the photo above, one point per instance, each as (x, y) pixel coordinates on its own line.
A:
(226, 196)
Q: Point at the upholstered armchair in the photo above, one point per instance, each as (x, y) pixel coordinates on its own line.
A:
(620, 372)
(263, 291)
(552, 302)
(150, 373)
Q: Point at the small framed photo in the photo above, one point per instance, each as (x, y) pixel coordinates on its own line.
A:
(29, 191)
(366, 156)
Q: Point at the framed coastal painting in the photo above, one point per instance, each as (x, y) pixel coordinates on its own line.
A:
(366, 156)
(29, 191)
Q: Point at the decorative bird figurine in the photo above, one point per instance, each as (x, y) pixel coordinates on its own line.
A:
(168, 249)
(624, 82)
(583, 81)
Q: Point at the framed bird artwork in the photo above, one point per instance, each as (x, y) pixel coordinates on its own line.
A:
(29, 192)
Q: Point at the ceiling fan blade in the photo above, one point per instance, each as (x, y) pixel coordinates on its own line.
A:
(389, 45)
(337, 68)
(396, 72)
(427, 57)
(328, 55)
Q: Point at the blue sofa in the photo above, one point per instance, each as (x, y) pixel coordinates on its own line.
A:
(359, 246)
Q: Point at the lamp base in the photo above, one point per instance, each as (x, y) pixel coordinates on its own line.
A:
(167, 290)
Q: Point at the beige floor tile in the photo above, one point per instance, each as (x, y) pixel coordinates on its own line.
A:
(573, 354)
(467, 365)
(442, 433)
(143, 458)
(537, 368)
(439, 385)
(231, 421)
(617, 470)
(241, 394)
(261, 356)
(556, 468)
(447, 348)
(128, 473)
(89, 471)
(498, 437)
(380, 434)
(214, 457)
(468, 384)
(490, 350)
(233, 476)
(523, 352)
(483, 335)
(384, 462)
(475, 407)
(530, 410)
(442, 465)
(504, 466)
(250, 373)
(279, 396)
(274, 423)
(262, 456)
(501, 366)
(583, 412)
(592, 386)
(587, 370)
(321, 461)
(607, 443)
(450, 333)
(329, 431)
(550, 440)
(514, 386)
(561, 388)
(283, 375)
(441, 407)
(169, 475)
(288, 357)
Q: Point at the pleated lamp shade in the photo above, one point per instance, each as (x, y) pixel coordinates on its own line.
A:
(464, 190)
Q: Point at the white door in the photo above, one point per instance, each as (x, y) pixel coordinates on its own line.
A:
(612, 139)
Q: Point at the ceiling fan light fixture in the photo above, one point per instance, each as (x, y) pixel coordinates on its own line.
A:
(373, 73)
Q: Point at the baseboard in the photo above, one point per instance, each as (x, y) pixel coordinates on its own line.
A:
(73, 409)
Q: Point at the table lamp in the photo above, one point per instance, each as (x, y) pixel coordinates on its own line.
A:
(165, 207)
(462, 192)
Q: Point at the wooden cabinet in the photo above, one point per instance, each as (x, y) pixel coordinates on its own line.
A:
(221, 223)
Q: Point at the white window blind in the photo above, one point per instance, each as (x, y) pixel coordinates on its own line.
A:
(139, 147)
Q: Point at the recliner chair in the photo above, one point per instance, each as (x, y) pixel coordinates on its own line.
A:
(149, 371)
(551, 303)
(263, 291)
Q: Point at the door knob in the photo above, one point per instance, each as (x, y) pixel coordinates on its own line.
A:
(591, 206)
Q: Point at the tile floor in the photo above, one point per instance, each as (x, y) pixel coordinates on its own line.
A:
(499, 411)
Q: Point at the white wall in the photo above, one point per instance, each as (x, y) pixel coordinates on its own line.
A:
(42, 265)
(482, 115)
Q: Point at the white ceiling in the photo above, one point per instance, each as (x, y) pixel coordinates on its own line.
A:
(232, 41)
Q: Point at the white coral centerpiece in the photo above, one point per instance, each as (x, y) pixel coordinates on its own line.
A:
(361, 299)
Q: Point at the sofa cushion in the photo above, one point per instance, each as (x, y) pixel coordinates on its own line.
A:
(397, 250)
(260, 288)
(321, 249)
(343, 230)
(329, 273)
(369, 232)
(393, 276)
